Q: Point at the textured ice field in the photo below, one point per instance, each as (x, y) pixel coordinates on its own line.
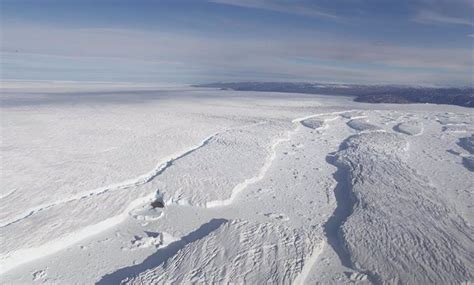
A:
(256, 187)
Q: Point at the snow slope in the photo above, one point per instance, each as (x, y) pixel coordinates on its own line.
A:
(236, 252)
(381, 234)
(257, 187)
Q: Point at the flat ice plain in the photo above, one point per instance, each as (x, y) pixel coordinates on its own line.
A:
(257, 187)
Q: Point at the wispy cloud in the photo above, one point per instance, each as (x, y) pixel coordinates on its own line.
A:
(445, 12)
(209, 58)
(215, 49)
(432, 17)
(282, 6)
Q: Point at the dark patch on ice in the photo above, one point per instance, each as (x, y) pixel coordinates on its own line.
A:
(452, 151)
(468, 162)
(152, 234)
(159, 200)
(467, 143)
(345, 204)
(157, 204)
(162, 255)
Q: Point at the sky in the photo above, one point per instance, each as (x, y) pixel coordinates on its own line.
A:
(422, 42)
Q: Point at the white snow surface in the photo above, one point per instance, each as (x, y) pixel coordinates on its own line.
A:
(257, 188)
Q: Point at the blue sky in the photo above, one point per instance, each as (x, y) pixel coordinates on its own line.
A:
(353, 41)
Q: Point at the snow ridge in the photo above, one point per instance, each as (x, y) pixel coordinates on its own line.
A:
(260, 175)
(297, 120)
(309, 262)
(162, 255)
(238, 251)
(134, 182)
(13, 259)
(377, 237)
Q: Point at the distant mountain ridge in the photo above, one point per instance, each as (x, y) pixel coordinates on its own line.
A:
(460, 96)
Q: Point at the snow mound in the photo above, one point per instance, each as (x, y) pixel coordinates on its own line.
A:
(313, 123)
(412, 128)
(40, 274)
(353, 115)
(363, 125)
(144, 242)
(375, 143)
(400, 229)
(451, 119)
(237, 252)
(456, 129)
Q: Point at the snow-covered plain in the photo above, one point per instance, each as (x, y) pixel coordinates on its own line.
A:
(256, 187)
